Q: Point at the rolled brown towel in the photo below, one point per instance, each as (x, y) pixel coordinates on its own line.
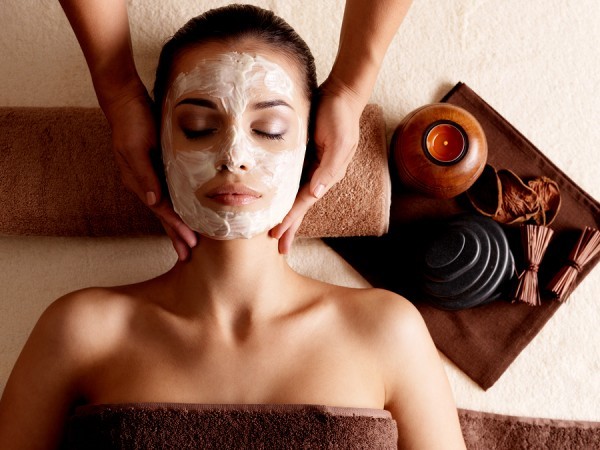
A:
(193, 426)
(58, 177)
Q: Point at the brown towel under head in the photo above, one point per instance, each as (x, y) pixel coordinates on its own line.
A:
(58, 177)
(193, 426)
(359, 205)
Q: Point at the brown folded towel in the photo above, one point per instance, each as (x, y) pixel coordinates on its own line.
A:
(58, 177)
(359, 205)
(194, 426)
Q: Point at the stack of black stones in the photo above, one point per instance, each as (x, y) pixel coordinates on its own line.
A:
(468, 263)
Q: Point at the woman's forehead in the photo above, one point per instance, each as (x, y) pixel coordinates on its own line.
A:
(228, 74)
(220, 59)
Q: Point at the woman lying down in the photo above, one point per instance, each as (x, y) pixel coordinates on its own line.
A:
(232, 348)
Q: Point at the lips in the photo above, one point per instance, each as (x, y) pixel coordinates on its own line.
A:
(234, 194)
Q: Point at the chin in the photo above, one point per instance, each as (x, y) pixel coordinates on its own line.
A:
(228, 225)
(231, 223)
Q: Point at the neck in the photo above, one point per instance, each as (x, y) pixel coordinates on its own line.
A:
(232, 279)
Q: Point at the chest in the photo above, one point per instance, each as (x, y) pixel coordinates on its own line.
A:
(272, 367)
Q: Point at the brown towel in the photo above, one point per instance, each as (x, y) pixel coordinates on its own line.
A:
(484, 431)
(359, 205)
(58, 177)
(195, 426)
(485, 340)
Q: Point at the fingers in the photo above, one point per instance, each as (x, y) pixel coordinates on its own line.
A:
(336, 135)
(134, 144)
(147, 180)
(332, 168)
(142, 180)
(138, 175)
(286, 230)
(181, 247)
(182, 236)
(134, 140)
(286, 240)
(329, 172)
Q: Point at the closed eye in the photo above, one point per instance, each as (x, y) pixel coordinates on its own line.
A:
(197, 134)
(272, 136)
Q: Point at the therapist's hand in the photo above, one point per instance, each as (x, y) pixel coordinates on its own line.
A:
(336, 135)
(134, 141)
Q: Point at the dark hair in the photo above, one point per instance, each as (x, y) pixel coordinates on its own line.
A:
(229, 24)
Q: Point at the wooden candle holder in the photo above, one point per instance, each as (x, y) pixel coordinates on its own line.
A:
(439, 150)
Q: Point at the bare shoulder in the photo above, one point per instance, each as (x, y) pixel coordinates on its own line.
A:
(77, 318)
(417, 391)
(71, 335)
(396, 329)
(390, 325)
(78, 329)
(385, 318)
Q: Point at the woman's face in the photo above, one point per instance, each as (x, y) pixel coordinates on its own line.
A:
(233, 135)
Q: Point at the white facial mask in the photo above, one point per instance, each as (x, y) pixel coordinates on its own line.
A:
(230, 78)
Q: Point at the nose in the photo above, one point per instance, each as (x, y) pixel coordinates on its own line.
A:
(235, 156)
(235, 160)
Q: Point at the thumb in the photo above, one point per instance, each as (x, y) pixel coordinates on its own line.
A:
(146, 166)
(147, 184)
(148, 174)
(331, 169)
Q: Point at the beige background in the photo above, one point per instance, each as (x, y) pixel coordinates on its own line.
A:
(537, 62)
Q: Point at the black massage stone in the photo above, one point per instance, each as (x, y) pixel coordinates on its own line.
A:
(467, 279)
(505, 266)
(467, 263)
(455, 251)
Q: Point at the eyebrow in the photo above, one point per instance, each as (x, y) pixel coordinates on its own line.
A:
(212, 105)
(271, 104)
(198, 102)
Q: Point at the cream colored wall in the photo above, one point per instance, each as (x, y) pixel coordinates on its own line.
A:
(536, 62)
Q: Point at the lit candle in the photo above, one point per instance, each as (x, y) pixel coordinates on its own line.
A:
(445, 143)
